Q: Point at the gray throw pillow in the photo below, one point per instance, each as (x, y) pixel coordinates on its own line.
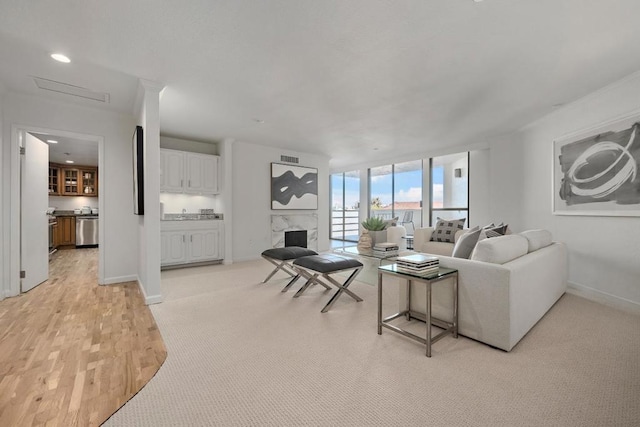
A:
(446, 229)
(465, 244)
(391, 222)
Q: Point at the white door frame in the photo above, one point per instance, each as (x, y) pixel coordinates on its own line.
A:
(14, 254)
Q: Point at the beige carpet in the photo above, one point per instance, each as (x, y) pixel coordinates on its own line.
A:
(243, 354)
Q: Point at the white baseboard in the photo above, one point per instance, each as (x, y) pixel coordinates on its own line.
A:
(227, 261)
(603, 297)
(120, 279)
(148, 299)
(252, 258)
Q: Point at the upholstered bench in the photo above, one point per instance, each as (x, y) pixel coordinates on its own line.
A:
(282, 258)
(315, 267)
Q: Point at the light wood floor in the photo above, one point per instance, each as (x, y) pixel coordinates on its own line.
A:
(73, 352)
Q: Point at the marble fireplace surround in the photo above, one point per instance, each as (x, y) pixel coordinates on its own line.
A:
(294, 222)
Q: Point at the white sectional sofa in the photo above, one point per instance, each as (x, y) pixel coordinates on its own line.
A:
(506, 287)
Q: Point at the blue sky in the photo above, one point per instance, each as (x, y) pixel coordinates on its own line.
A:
(408, 187)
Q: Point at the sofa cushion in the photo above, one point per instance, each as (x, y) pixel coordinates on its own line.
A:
(500, 250)
(537, 239)
(465, 243)
(446, 229)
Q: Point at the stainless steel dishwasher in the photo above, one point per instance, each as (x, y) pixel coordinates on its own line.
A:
(86, 232)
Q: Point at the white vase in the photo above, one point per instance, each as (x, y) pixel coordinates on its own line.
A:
(378, 236)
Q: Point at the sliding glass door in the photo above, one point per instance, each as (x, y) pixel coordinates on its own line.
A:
(345, 205)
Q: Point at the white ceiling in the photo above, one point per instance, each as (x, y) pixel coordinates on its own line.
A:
(81, 152)
(355, 80)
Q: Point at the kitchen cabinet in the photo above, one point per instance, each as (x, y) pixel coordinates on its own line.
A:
(185, 172)
(76, 181)
(185, 242)
(54, 180)
(66, 230)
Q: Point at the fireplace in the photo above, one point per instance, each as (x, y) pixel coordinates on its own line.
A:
(295, 238)
(305, 223)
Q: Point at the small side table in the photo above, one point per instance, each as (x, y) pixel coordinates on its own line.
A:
(409, 239)
(428, 280)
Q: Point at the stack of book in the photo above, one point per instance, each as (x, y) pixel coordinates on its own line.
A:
(417, 264)
(386, 249)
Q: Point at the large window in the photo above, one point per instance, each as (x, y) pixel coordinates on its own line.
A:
(396, 191)
(345, 205)
(450, 187)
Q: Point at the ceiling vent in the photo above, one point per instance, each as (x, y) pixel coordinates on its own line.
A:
(289, 159)
(72, 90)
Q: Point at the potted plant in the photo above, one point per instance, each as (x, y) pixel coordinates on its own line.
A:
(376, 228)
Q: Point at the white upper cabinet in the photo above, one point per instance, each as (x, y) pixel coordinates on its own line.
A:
(172, 171)
(202, 174)
(184, 172)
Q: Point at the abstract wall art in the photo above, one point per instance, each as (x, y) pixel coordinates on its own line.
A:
(597, 172)
(293, 187)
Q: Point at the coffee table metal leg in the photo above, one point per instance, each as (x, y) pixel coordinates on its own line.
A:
(379, 303)
(408, 302)
(428, 319)
(455, 306)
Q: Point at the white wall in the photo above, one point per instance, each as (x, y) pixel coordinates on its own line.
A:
(69, 203)
(188, 145)
(252, 198)
(603, 251)
(120, 251)
(5, 284)
(148, 107)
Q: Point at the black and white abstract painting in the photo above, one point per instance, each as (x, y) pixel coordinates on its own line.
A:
(293, 187)
(598, 174)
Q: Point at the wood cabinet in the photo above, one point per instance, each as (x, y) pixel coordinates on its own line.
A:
(76, 181)
(66, 231)
(184, 242)
(185, 172)
(54, 180)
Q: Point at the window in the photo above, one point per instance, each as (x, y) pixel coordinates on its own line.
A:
(407, 194)
(345, 205)
(450, 187)
(396, 191)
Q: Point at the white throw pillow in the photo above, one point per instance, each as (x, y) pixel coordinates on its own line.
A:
(537, 239)
(500, 250)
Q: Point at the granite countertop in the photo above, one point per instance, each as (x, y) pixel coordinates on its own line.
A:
(191, 217)
(70, 213)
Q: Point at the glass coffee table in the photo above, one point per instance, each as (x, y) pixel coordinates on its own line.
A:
(370, 261)
(429, 278)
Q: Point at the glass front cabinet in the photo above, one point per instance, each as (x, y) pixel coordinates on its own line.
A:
(77, 181)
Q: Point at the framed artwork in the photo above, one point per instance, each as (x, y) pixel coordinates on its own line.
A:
(293, 187)
(138, 172)
(595, 172)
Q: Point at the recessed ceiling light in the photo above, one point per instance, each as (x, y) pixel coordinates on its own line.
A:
(260, 121)
(69, 161)
(52, 141)
(60, 57)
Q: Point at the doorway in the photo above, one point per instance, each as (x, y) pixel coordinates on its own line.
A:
(73, 143)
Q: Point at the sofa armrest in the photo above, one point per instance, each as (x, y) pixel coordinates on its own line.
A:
(421, 236)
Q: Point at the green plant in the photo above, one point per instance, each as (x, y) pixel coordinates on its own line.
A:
(374, 224)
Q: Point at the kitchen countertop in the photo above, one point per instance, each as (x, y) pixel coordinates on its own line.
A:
(192, 217)
(70, 213)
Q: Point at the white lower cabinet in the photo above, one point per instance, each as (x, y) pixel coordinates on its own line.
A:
(184, 242)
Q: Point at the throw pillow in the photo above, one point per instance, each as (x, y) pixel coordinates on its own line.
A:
(446, 229)
(391, 222)
(496, 231)
(465, 244)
